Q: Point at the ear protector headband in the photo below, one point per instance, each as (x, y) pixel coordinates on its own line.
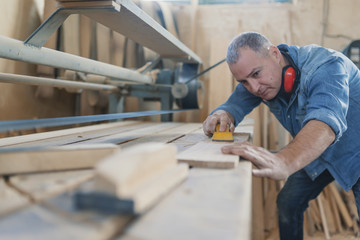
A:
(290, 74)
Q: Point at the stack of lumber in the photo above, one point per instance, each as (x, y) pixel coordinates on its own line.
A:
(333, 212)
(209, 203)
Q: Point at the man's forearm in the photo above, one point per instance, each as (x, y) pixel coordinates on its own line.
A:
(312, 140)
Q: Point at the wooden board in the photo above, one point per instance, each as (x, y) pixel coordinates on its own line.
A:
(168, 135)
(67, 136)
(210, 204)
(41, 186)
(54, 159)
(131, 134)
(150, 193)
(56, 219)
(208, 154)
(208, 194)
(123, 172)
(10, 199)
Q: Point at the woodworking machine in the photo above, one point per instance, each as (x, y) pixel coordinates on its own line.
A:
(179, 85)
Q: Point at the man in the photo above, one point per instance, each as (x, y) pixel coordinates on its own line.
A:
(315, 93)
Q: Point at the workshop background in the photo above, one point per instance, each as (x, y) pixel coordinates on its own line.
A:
(206, 29)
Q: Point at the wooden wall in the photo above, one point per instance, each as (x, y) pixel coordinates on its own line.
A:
(19, 19)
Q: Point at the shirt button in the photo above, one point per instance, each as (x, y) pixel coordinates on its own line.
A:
(288, 116)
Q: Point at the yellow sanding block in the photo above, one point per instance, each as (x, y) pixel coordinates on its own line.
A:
(226, 136)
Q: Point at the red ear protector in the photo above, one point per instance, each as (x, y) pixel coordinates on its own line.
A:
(290, 74)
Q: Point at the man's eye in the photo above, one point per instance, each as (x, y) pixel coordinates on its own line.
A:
(256, 74)
(243, 82)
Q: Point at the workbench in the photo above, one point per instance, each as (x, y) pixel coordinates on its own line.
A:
(209, 204)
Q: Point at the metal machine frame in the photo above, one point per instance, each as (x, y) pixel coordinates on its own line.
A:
(124, 17)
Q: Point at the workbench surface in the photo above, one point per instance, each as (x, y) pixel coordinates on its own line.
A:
(209, 204)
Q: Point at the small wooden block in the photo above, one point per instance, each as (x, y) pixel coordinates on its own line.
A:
(208, 154)
(145, 196)
(124, 171)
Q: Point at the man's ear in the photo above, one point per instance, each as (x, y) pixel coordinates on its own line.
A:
(274, 52)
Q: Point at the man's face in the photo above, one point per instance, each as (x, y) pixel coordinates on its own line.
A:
(260, 75)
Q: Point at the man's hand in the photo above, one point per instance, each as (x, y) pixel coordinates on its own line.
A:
(268, 164)
(224, 118)
(310, 142)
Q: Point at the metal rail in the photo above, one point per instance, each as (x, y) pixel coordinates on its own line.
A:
(63, 121)
(31, 80)
(17, 50)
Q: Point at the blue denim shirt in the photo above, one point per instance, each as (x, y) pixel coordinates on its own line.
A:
(328, 91)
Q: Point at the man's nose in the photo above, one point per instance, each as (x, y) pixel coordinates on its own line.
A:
(255, 86)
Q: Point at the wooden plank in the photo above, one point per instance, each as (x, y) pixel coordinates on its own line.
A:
(270, 209)
(319, 200)
(151, 192)
(257, 209)
(210, 204)
(123, 172)
(144, 197)
(341, 205)
(10, 199)
(57, 219)
(243, 131)
(168, 135)
(45, 185)
(141, 131)
(208, 154)
(220, 81)
(334, 209)
(53, 159)
(61, 137)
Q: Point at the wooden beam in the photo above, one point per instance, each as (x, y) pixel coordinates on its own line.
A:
(67, 136)
(123, 172)
(10, 199)
(208, 154)
(210, 204)
(53, 159)
(41, 186)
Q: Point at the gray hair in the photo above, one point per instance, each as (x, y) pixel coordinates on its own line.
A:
(252, 40)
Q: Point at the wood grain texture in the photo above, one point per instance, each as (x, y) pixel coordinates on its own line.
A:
(66, 136)
(207, 154)
(10, 199)
(150, 193)
(41, 186)
(210, 204)
(123, 172)
(54, 159)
